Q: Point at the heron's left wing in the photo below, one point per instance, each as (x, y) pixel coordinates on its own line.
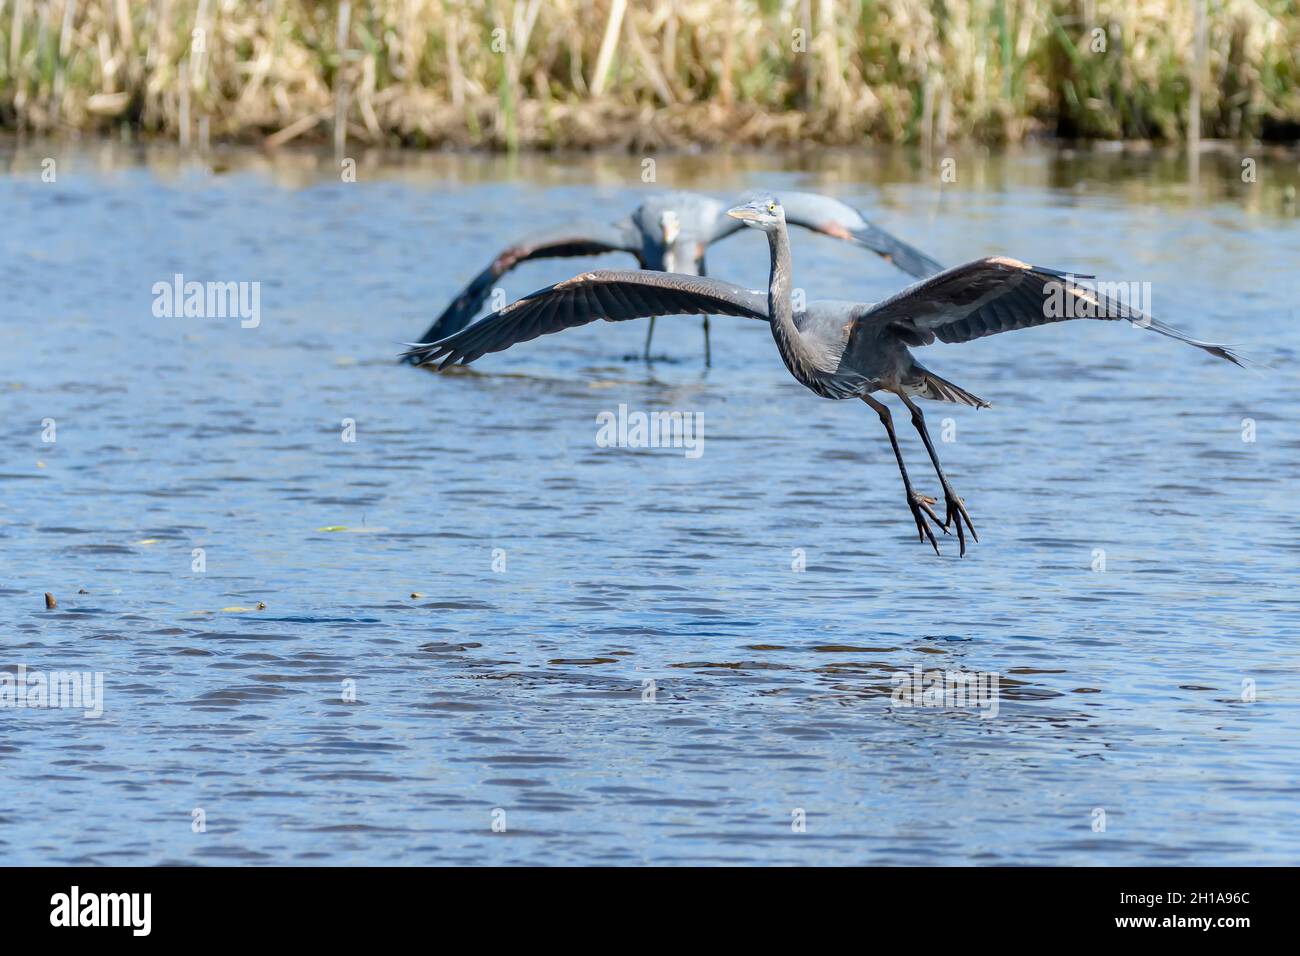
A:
(841, 221)
(614, 296)
(999, 294)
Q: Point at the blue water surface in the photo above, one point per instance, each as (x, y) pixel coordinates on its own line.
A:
(475, 635)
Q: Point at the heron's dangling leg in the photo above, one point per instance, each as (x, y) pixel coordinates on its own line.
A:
(649, 334)
(702, 269)
(956, 507)
(918, 503)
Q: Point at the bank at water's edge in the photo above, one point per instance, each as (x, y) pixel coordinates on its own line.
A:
(577, 74)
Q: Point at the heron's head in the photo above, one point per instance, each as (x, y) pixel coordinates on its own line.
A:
(671, 226)
(764, 213)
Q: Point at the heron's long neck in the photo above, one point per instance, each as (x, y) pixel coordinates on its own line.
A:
(673, 260)
(794, 350)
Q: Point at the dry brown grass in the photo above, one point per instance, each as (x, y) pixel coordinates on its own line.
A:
(647, 73)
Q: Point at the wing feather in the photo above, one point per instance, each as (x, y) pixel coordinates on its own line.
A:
(615, 296)
(999, 294)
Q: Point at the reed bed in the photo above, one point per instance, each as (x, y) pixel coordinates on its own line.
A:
(647, 74)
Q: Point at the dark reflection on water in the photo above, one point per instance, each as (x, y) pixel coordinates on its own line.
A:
(631, 575)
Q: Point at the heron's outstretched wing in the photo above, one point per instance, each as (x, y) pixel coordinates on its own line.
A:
(834, 218)
(582, 240)
(610, 295)
(999, 294)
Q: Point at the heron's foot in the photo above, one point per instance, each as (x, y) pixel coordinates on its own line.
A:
(922, 508)
(956, 515)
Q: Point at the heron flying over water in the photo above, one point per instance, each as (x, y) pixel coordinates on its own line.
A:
(669, 233)
(839, 350)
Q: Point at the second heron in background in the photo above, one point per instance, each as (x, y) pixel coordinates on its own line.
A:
(669, 233)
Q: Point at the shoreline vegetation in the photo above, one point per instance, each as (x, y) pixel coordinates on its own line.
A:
(651, 74)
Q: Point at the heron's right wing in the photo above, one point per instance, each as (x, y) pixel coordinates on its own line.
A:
(1000, 294)
(582, 240)
(614, 296)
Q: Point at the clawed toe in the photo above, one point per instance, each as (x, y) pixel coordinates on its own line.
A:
(924, 503)
(956, 514)
(922, 508)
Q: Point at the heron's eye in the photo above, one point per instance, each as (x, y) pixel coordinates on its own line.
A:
(771, 207)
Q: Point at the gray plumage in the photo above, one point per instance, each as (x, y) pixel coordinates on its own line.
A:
(839, 350)
(670, 233)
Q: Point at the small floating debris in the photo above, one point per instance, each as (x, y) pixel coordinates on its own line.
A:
(237, 609)
(147, 541)
(341, 527)
(50, 603)
(416, 594)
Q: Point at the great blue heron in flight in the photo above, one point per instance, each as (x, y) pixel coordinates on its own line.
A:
(669, 233)
(837, 349)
